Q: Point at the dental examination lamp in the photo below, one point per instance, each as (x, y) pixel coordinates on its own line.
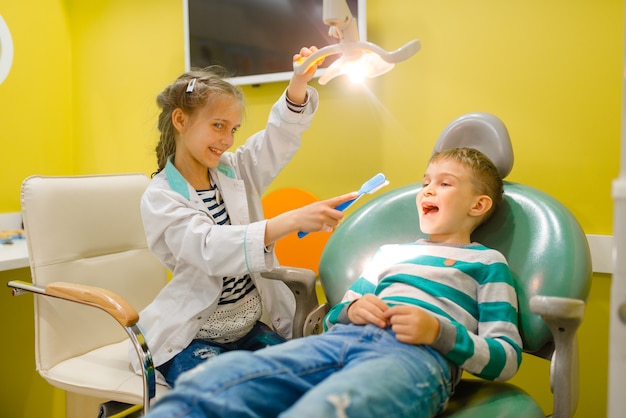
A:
(360, 59)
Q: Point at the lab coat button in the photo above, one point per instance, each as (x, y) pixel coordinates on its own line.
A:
(199, 318)
(169, 349)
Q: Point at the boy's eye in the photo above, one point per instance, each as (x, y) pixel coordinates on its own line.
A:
(234, 130)
(218, 125)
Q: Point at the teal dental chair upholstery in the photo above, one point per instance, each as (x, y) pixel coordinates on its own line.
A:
(546, 249)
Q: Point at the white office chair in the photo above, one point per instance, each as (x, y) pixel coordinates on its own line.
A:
(86, 231)
(87, 244)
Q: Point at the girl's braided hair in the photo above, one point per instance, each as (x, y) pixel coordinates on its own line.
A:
(189, 92)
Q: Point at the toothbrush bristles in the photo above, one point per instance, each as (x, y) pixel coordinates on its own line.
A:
(377, 188)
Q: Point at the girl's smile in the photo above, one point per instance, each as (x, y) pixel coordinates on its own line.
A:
(204, 136)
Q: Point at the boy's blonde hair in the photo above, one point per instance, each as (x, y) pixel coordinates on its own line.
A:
(486, 177)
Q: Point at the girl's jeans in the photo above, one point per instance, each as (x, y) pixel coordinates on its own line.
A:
(349, 371)
(201, 350)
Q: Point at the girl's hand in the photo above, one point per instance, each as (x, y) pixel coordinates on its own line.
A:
(368, 309)
(304, 54)
(297, 86)
(319, 216)
(412, 325)
(322, 216)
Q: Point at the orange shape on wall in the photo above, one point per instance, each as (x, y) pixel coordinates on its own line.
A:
(291, 250)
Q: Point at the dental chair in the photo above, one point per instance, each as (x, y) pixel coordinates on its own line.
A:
(547, 252)
(87, 249)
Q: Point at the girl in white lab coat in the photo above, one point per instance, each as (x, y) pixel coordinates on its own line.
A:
(203, 219)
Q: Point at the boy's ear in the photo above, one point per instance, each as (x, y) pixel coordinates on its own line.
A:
(481, 205)
(179, 119)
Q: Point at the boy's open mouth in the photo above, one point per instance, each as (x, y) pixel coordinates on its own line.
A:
(429, 208)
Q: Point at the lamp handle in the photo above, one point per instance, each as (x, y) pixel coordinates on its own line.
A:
(302, 65)
(400, 54)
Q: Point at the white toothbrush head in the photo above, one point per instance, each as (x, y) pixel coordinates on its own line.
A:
(374, 184)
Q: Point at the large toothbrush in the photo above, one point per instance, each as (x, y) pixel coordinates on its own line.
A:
(369, 187)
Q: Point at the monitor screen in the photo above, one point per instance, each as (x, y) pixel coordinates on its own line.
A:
(255, 40)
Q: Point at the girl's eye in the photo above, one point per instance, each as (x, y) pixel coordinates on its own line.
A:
(234, 130)
(218, 125)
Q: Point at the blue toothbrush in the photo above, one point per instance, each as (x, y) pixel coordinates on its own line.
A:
(372, 185)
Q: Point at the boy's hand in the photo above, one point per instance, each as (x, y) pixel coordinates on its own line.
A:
(412, 325)
(368, 309)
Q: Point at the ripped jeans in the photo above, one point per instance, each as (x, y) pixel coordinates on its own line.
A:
(200, 350)
(349, 371)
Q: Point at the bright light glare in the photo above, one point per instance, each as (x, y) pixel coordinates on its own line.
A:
(355, 71)
(356, 77)
(367, 64)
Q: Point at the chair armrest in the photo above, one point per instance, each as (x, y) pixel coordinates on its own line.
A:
(97, 297)
(563, 317)
(114, 305)
(301, 282)
(108, 301)
(314, 323)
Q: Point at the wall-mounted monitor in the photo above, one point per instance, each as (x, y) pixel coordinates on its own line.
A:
(255, 40)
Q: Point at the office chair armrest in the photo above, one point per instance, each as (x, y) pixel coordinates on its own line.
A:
(301, 282)
(111, 303)
(563, 317)
(97, 297)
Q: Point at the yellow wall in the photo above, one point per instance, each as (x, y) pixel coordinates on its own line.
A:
(80, 99)
(35, 98)
(550, 70)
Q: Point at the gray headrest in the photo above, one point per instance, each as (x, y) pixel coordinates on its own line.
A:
(482, 131)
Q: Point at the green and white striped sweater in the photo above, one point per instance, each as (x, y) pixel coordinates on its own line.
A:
(469, 289)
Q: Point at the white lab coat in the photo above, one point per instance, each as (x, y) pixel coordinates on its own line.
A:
(182, 234)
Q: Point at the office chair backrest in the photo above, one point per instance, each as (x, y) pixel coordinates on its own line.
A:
(88, 230)
(543, 243)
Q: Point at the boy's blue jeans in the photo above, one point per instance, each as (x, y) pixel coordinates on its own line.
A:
(200, 350)
(349, 371)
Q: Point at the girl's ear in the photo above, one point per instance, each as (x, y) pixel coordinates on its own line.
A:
(179, 119)
(481, 205)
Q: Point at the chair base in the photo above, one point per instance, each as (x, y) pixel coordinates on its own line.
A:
(119, 410)
(480, 399)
